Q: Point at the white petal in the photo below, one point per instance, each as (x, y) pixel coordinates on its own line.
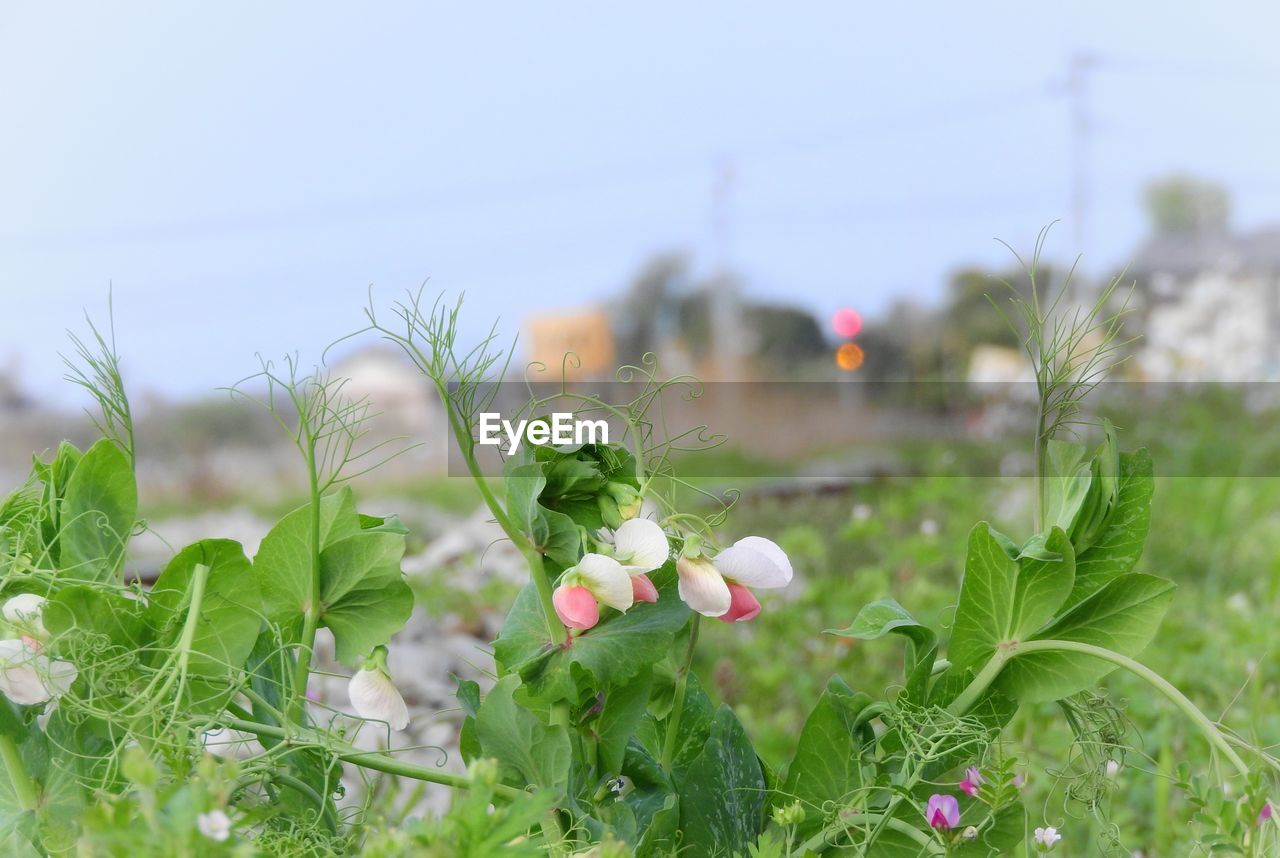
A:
(640, 545)
(702, 588)
(606, 579)
(60, 676)
(25, 608)
(376, 698)
(28, 678)
(756, 562)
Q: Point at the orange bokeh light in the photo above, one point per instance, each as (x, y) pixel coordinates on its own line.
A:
(849, 356)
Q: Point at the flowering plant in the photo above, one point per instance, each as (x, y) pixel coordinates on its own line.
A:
(182, 709)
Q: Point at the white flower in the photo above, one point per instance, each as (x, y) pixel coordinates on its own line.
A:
(929, 527)
(373, 694)
(25, 612)
(1112, 768)
(215, 825)
(752, 562)
(1045, 838)
(27, 677)
(605, 577)
(640, 545)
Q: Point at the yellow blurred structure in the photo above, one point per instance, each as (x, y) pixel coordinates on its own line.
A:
(585, 333)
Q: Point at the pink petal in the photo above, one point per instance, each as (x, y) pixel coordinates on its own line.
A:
(642, 589)
(743, 604)
(702, 587)
(576, 607)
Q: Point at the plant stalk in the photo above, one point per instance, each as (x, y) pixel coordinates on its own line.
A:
(311, 615)
(677, 704)
(375, 760)
(988, 674)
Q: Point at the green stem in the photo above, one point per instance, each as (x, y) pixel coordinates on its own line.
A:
(199, 579)
(23, 788)
(533, 558)
(311, 613)
(677, 705)
(1210, 730)
(821, 840)
(375, 760)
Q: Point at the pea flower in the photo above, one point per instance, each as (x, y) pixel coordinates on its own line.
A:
(641, 546)
(942, 812)
(1045, 838)
(720, 586)
(24, 612)
(374, 696)
(973, 779)
(1265, 813)
(215, 825)
(28, 676)
(1111, 769)
(596, 578)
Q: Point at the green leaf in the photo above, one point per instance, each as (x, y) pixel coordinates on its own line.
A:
(364, 599)
(827, 767)
(228, 621)
(612, 653)
(1119, 545)
(528, 751)
(886, 616)
(524, 483)
(87, 609)
(1066, 485)
(97, 515)
(1123, 616)
(722, 795)
(1002, 599)
(624, 707)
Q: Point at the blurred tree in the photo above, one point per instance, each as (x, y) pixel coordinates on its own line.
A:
(649, 309)
(1181, 205)
(786, 337)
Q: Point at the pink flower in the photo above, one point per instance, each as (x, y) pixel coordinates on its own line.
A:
(743, 604)
(707, 585)
(642, 589)
(596, 578)
(576, 607)
(1265, 813)
(942, 812)
(972, 780)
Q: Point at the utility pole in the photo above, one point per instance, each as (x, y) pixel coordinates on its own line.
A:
(1080, 66)
(725, 304)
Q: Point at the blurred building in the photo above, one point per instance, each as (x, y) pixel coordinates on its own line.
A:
(1210, 305)
(585, 334)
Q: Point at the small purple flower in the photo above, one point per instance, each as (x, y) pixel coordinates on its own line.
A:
(972, 780)
(942, 812)
(1265, 813)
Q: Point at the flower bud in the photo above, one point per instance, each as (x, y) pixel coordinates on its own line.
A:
(627, 498)
(970, 833)
(609, 511)
(790, 814)
(374, 696)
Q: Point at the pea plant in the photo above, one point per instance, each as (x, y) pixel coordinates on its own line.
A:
(177, 718)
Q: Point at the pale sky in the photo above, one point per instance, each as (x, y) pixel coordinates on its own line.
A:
(242, 172)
